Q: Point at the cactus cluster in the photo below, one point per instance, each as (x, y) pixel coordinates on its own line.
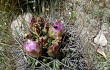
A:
(43, 35)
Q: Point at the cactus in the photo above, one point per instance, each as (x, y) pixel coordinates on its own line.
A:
(41, 37)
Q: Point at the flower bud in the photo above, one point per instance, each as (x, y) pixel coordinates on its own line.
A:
(40, 22)
(32, 48)
(57, 40)
(53, 49)
(46, 25)
(42, 40)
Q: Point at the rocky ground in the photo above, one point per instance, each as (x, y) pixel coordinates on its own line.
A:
(83, 20)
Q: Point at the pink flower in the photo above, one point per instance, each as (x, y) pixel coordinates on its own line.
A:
(32, 48)
(56, 30)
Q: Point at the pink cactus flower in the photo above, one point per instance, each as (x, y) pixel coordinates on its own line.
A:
(32, 48)
(56, 30)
